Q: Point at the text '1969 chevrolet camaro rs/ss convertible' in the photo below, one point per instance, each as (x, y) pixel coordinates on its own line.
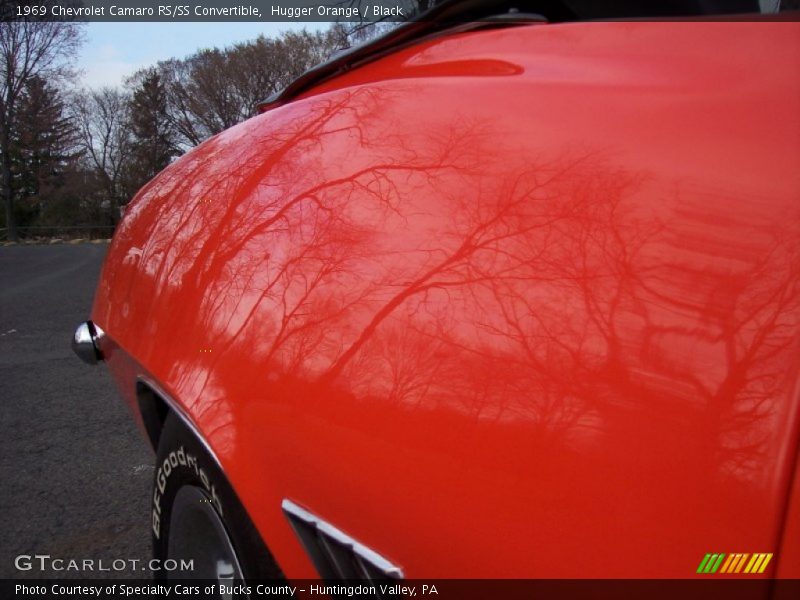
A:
(516, 296)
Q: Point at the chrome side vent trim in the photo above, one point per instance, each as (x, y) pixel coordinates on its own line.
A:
(335, 554)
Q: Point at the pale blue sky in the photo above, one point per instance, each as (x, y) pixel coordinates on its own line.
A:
(114, 51)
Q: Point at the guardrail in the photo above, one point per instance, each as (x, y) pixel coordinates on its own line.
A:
(46, 234)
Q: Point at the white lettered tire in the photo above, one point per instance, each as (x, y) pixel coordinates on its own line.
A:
(196, 516)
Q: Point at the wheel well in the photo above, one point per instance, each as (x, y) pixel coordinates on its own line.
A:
(153, 410)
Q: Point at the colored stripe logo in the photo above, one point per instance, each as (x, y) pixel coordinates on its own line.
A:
(736, 562)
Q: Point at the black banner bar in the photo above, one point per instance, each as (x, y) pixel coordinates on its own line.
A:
(438, 589)
(368, 11)
(209, 10)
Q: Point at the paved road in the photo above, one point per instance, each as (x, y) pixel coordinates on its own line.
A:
(74, 471)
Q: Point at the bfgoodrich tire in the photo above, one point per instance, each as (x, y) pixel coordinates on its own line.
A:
(195, 515)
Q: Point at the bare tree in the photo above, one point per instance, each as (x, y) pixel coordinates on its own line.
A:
(217, 88)
(103, 119)
(28, 48)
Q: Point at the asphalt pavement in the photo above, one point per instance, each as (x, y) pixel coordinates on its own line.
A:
(75, 472)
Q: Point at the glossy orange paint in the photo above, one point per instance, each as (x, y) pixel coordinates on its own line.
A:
(510, 303)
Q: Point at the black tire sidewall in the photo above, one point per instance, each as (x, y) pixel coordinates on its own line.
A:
(182, 460)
